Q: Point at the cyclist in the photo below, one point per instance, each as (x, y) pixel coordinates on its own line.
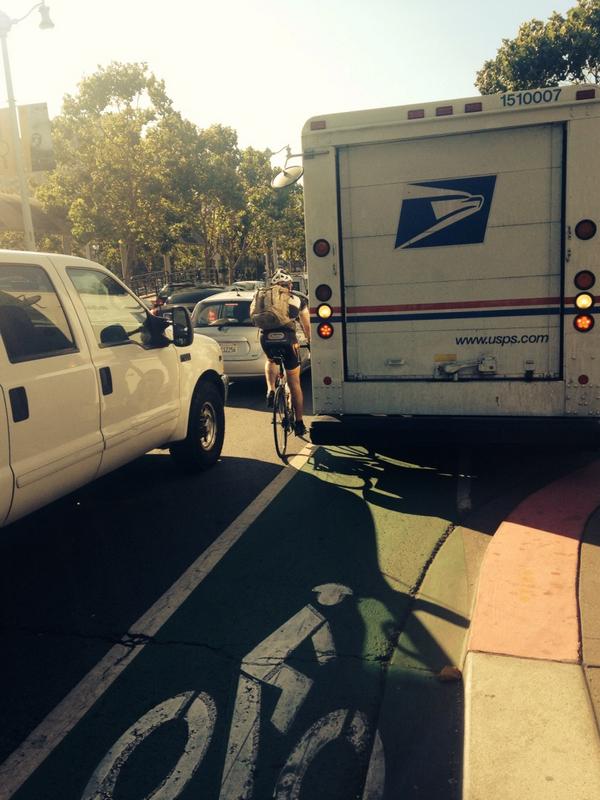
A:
(283, 341)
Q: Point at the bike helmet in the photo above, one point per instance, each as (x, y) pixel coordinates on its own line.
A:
(281, 276)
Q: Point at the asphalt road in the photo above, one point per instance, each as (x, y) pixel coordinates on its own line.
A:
(75, 575)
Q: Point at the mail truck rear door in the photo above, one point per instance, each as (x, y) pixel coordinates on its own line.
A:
(452, 256)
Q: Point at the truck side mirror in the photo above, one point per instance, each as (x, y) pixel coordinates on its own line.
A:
(113, 334)
(183, 333)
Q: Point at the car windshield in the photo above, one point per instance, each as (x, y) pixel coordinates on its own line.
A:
(236, 312)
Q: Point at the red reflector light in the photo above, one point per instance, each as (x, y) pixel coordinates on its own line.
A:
(325, 330)
(321, 248)
(585, 229)
(584, 279)
(583, 379)
(323, 292)
(444, 111)
(327, 380)
(318, 125)
(470, 107)
(583, 323)
(585, 94)
(416, 113)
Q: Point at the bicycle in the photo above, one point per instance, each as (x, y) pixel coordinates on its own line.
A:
(266, 665)
(284, 417)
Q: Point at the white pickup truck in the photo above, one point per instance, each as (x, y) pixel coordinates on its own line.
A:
(90, 380)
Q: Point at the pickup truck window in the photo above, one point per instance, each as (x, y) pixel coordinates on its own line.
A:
(116, 316)
(33, 323)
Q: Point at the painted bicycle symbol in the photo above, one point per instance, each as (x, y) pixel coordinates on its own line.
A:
(264, 665)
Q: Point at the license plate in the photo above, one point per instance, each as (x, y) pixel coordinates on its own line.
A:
(229, 348)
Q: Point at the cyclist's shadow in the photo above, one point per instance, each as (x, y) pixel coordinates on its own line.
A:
(387, 663)
(302, 666)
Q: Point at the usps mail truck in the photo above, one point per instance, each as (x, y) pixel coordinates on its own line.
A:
(454, 259)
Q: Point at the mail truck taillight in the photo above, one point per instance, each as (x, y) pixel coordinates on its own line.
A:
(323, 292)
(584, 301)
(324, 311)
(321, 248)
(584, 279)
(583, 323)
(585, 229)
(325, 330)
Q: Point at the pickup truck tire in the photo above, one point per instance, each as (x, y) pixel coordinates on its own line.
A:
(206, 430)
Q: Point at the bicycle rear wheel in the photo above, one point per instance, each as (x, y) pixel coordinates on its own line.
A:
(281, 422)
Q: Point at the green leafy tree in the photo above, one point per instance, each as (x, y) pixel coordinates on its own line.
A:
(103, 170)
(275, 217)
(562, 49)
(139, 184)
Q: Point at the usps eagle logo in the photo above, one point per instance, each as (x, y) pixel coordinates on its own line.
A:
(442, 213)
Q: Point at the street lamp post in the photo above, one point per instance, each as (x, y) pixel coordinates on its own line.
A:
(5, 26)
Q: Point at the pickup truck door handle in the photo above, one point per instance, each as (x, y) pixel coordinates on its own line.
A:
(106, 380)
(19, 403)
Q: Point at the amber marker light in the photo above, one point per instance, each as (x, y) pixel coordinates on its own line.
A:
(584, 301)
(583, 323)
(325, 330)
(324, 311)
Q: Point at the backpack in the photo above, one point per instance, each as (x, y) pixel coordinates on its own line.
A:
(270, 308)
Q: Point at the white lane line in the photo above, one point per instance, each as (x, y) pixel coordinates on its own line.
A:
(23, 762)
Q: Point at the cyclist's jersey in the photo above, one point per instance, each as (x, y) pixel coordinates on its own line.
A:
(284, 341)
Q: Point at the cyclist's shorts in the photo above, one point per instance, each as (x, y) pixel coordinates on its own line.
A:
(281, 343)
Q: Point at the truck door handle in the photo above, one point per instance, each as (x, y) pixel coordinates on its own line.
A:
(19, 403)
(106, 380)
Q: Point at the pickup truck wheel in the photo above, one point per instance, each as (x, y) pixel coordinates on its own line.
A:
(206, 430)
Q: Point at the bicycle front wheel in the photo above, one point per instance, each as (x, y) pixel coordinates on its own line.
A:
(281, 421)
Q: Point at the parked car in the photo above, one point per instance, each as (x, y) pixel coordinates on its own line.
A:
(168, 289)
(246, 286)
(188, 298)
(225, 317)
(90, 380)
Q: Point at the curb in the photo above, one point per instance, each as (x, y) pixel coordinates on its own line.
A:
(530, 729)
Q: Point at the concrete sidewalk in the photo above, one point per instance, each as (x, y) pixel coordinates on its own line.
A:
(532, 665)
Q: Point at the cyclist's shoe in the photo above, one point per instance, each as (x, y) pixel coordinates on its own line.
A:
(300, 429)
(270, 399)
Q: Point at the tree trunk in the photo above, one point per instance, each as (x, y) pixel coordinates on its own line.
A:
(128, 251)
(167, 263)
(123, 248)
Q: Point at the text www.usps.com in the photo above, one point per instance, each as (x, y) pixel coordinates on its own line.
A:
(527, 338)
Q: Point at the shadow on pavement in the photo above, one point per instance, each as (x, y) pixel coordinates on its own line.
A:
(75, 575)
(377, 528)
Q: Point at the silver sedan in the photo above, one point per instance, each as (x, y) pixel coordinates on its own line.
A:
(225, 317)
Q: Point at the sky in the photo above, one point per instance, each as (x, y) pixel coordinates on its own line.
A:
(265, 67)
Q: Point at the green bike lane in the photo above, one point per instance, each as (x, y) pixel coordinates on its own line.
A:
(310, 662)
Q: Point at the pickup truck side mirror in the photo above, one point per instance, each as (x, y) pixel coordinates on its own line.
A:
(183, 333)
(113, 334)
